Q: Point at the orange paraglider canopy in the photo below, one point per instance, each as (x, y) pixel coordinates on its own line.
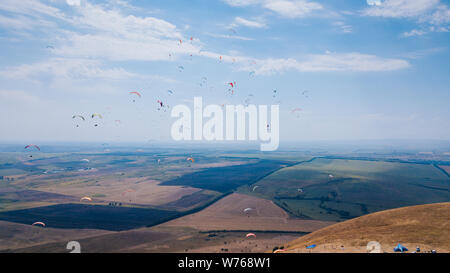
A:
(190, 159)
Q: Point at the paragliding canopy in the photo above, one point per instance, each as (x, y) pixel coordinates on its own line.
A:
(38, 224)
(190, 159)
(32, 145)
(400, 248)
(78, 116)
(250, 235)
(96, 115)
(136, 93)
(311, 246)
(247, 210)
(86, 199)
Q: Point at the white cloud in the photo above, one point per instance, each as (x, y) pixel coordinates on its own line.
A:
(401, 8)
(430, 14)
(286, 8)
(121, 49)
(65, 68)
(113, 22)
(95, 31)
(343, 27)
(33, 8)
(103, 34)
(439, 28)
(239, 21)
(414, 32)
(440, 16)
(229, 37)
(292, 9)
(73, 2)
(115, 36)
(374, 2)
(353, 62)
(242, 3)
(23, 23)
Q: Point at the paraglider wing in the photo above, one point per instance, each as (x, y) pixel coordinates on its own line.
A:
(136, 93)
(38, 223)
(400, 248)
(78, 116)
(86, 199)
(32, 145)
(247, 210)
(96, 115)
(250, 235)
(190, 159)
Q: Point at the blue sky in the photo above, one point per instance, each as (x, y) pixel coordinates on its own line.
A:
(372, 69)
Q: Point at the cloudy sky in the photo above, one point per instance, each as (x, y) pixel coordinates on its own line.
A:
(342, 70)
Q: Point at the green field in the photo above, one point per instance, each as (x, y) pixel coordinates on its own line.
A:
(225, 179)
(339, 189)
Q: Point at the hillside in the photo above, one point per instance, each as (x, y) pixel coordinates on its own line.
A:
(427, 226)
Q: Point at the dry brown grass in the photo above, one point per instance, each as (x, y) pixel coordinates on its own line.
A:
(228, 214)
(427, 226)
(126, 190)
(14, 235)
